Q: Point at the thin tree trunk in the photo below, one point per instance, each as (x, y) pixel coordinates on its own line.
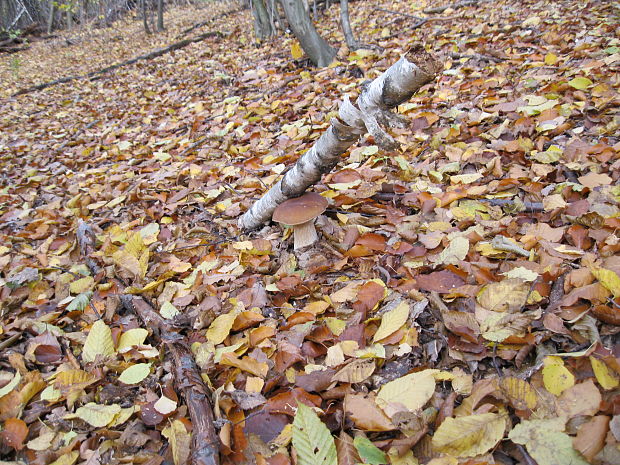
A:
(317, 49)
(262, 23)
(145, 17)
(50, 18)
(389, 90)
(69, 17)
(345, 21)
(160, 15)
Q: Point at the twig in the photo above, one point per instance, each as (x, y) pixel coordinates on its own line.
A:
(399, 13)
(455, 6)
(9, 342)
(205, 444)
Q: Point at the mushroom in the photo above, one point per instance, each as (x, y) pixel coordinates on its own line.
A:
(300, 213)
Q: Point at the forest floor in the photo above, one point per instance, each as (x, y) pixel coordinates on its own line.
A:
(461, 305)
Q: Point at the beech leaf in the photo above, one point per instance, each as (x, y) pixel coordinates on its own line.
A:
(98, 342)
(469, 436)
(312, 440)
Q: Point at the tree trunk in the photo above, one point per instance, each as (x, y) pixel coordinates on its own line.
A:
(262, 23)
(352, 44)
(317, 49)
(69, 17)
(50, 18)
(145, 17)
(395, 86)
(160, 15)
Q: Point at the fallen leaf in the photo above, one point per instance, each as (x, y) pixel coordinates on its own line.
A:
(469, 436)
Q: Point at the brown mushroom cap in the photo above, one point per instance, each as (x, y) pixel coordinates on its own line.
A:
(300, 209)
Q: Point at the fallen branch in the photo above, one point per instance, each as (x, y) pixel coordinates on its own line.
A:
(371, 110)
(406, 15)
(204, 23)
(148, 56)
(205, 442)
(455, 6)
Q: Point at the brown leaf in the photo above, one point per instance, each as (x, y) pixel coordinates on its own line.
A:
(439, 281)
(286, 402)
(356, 371)
(366, 414)
(14, 433)
(581, 399)
(346, 451)
(591, 436)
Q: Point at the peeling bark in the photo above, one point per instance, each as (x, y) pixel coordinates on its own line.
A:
(370, 112)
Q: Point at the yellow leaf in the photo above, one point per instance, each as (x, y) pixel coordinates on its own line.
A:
(507, 295)
(132, 337)
(135, 373)
(519, 392)
(149, 233)
(246, 364)
(412, 391)
(220, 328)
(392, 321)
(455, 252)
(96, 415)
(82, 285)
(179, 440)
(580, 83)
(607, 278)
(124, 415)
(125, 260)
(296, 50)
(135, 245)
(335, 325)
(98, 342)
(67, 459)
(551, 59)
(605, 378)
(556, 376)
(522, 273)
(316, 307)
(469, 436)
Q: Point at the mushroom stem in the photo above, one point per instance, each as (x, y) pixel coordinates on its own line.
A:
(304, 234)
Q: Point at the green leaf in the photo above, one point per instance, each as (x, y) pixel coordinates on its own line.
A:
(80, 302)
(135, 373)
(312, 440)
(580, 83)
(369, 452)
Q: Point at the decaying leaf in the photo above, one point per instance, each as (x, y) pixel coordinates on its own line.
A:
(546, 442)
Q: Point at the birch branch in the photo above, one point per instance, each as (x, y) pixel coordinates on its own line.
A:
(369, 113)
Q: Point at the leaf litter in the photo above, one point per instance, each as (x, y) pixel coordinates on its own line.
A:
(460, 307)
